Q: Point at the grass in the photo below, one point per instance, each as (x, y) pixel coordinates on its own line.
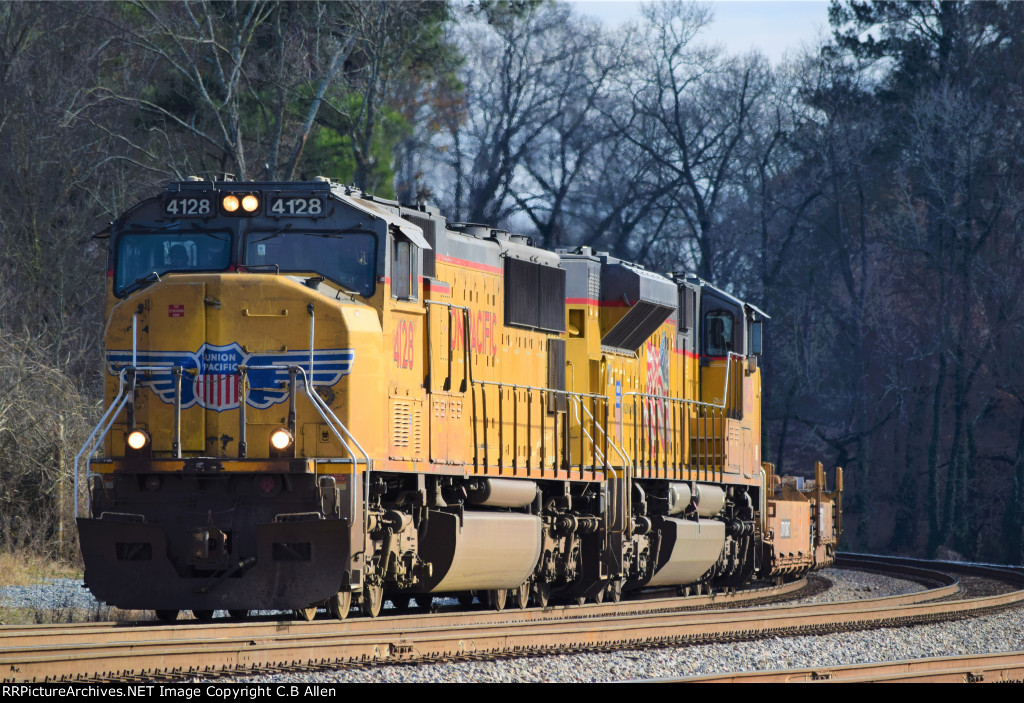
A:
(24, 569)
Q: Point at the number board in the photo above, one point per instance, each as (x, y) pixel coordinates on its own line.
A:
(182, 206)
(282, 206)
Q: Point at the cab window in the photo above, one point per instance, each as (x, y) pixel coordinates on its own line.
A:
(719, 329)
(142, 257)
(348, 259)
(403, 270)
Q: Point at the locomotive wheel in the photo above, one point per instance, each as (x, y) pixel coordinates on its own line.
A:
(339, 604)
(238, 614)
(599, 596)
(306, 614)
(203, 615)
(372, 600)
(541, 594)
(522, 596)
(579, 600)
(167, 616)
(496, 599)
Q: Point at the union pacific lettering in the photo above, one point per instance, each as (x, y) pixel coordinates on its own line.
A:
(482, 324)
(220, 362)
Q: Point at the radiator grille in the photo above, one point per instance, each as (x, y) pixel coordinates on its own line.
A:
(406, 434)
(534, 295)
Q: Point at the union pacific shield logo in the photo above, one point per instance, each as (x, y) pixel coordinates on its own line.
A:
(211, 379)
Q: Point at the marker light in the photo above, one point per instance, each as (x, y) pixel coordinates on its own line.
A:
(137, 439)
(230, 203)
(250, 203)
(280, 439)
(268, 485)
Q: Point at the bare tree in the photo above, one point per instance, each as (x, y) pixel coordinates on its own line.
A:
(201, 53)
(690, 113)
(531, 79)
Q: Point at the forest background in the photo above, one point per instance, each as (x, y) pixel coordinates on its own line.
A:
(867, 194)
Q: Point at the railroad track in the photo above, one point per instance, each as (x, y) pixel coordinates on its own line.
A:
(105, 652)
(1003, 667)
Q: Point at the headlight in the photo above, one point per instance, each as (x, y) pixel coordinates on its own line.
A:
(229, 203)
(250, 203)
(138, 439)
(281, 439)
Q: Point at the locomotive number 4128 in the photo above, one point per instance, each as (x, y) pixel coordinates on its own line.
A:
(188, 207)
(297, 206)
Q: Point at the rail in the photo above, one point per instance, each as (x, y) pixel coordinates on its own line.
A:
(91, 651)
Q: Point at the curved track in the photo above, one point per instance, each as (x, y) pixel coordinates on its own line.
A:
(1003, 667)
(109, 652)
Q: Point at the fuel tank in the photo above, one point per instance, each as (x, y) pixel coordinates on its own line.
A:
(688, 549)
(480, 550)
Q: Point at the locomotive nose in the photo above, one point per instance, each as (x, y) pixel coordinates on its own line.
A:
(277, 338)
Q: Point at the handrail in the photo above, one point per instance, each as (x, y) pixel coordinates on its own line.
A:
(763, 502)
(327, 415)
(122, 398)
(325, 410)
(576, 405)
(570, 396)
(109, 417)
(604, 432)
(517, 386)
(690, 401)
(634, 396)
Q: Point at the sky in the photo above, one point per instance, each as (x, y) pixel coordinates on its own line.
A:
(770, 26)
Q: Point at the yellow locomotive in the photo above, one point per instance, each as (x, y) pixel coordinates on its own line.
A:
(316, 398)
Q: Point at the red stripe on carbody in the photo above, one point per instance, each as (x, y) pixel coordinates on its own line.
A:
(599, 303)
(469, 264)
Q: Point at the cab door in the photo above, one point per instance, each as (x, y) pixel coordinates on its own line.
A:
(721, 334)
(405, 322)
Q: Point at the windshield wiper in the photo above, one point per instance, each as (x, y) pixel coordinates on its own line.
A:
(137, 226)
(266, 267)
(263, 238)
(139, 281)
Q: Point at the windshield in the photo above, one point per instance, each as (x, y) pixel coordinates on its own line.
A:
(348, 259)
(139, 256)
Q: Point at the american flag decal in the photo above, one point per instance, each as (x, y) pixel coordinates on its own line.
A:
(217, 391)
(656, 410)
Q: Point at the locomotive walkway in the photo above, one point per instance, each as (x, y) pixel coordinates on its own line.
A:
(149, 651)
